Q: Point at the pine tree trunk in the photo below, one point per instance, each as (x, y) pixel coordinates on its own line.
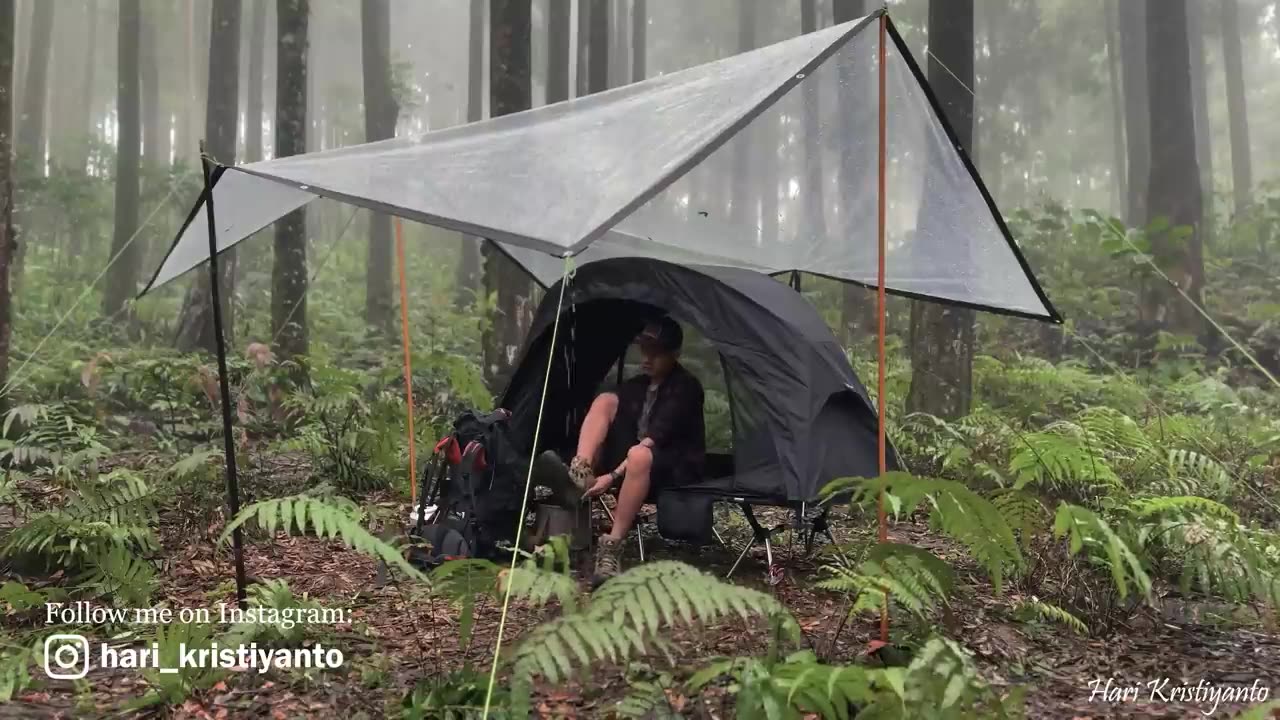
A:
(1173, 188)
(8, 243)
(380, 113)
(30, 147)
(812, 190)
(122, 276)
(857, 308)
(1118, 174)
(1133, 66)
(745, 204)
(598, 47)
(639, 39)
(84, 119)
(1237, 109)
(152, 126)
(467, 282)
(1200, 100)
(195, 323)
(253, 102)
(289, 269)
(510, 91)
(558, 50)
(582, 86)
(942, 337)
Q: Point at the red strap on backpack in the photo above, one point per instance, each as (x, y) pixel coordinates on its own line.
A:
(449, 445)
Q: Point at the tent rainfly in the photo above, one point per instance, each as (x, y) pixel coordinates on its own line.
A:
(887, 198)
(608, 175)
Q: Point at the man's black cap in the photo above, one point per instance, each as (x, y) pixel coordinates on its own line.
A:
(663, 334)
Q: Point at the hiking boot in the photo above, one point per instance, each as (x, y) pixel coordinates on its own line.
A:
(550, 471)
(581, 475)
(608, 561)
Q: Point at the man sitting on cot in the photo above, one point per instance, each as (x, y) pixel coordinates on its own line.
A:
(647, 432)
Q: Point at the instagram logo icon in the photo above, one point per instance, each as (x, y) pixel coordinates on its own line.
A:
(66, 657)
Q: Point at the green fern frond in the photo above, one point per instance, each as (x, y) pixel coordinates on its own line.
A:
(958, 511)
(1114, 433)
(553, 649)
(1061, 459)
(1053, 613)
(120, 573)
(647, 701)
(668, 593)
(913, 577)
(327, 520)
(462, 581)
(1084, 528)
(1183, 506)
(1023, 512)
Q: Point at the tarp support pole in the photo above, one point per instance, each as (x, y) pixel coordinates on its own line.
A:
(880, 311)
(408, 367)
(228, 440)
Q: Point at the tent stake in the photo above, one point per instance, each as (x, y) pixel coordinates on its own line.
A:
(228, 440)
(408, 368)
(880, 305)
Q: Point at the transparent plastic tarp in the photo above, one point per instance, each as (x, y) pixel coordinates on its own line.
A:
(242, 205)
(766, 160)
(816, 151)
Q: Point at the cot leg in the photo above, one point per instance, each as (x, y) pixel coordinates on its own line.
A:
(741, 555)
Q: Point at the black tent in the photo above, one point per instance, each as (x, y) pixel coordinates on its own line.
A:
(800, 416)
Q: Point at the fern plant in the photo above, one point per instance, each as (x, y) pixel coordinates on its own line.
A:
(326, 518)
(117, 510)
(624, 618)
(172, 688)
(793, 688)
(118, 573)
(912, 577)
(1088, 532)
(1034, 608)
(962, 514)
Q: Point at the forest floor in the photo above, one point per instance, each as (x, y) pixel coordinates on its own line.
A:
(394, 641)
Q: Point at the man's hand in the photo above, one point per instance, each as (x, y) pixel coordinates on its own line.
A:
(600, 487)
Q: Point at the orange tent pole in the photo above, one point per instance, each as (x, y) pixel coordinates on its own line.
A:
(880, 309)
(408, 369)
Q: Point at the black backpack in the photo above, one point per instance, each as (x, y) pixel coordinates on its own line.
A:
(475, 486)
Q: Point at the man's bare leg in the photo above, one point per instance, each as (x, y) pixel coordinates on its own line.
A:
(634, 491)
(595, 427)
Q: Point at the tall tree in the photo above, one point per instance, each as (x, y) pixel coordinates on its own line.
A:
(745, 205)
(1200, 99)
(88, 88)
(1133, 66)
(153, 127)
(36, 87)
(253, 103)
(1237, 109)
(467, 282)
(380, 114)
(584, 47)
(289, 268)
(639, 39)
(814, 202)
(195, 323)
(856, 309)
(510, 90)
(122, 276)
(598, 46)
(942, 337)
(559, 34)
(1120, 178)
(1173, 188)
(7, 241)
